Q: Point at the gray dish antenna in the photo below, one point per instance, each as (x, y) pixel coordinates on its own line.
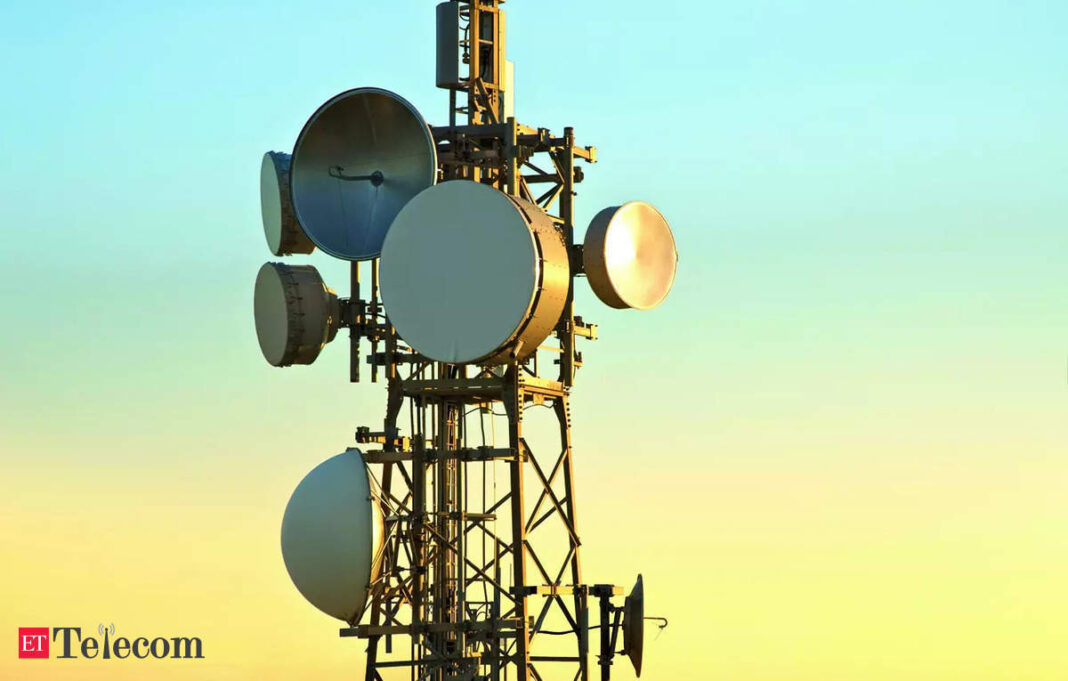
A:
(296, 313)
(359, 159)
(634, 626)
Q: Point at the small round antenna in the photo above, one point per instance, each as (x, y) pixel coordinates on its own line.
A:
(280, 226)
(296, 313)
(629, 256)
(634, 626)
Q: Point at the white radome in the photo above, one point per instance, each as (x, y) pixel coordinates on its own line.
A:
(296, 314)
(332, 536)
(470, 274)
(284, 235)
(629, 256)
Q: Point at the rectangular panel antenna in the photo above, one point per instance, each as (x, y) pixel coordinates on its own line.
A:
(448, 29)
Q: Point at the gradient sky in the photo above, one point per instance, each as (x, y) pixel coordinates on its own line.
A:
(837, 452)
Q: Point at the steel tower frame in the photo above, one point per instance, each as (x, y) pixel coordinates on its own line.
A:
(430, 582)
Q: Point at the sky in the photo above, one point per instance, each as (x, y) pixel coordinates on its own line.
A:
(837, 451)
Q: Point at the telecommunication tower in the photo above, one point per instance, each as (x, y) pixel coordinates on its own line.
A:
(455, 557)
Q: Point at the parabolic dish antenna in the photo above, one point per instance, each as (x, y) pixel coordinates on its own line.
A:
(359, 159)
(280, 226)
(629, 256)
(470, 274)
(634, 625)
(296, 314)
(332, 536)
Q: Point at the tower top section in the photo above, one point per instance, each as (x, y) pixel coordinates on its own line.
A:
(471, 61)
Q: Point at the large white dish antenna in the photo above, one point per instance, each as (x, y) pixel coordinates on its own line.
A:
(359, 159)
(280, 227)
(332, 536)
(469, 274)
(296, 313)
(629, 256)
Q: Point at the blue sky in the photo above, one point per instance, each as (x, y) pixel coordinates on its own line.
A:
(836, 173)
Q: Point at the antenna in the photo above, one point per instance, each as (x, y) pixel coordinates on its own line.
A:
(634, 626)
(284, 234)
(360, 157)
(472, 275)
(332, 536)
(629, 256)
(453, 555)
(296, 313)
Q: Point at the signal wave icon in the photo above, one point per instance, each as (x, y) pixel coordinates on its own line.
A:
(104, 631)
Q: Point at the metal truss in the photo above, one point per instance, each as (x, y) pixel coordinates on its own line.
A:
(488, 588)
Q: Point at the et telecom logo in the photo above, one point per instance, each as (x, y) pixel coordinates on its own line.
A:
(33, 642)
(34, 645)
